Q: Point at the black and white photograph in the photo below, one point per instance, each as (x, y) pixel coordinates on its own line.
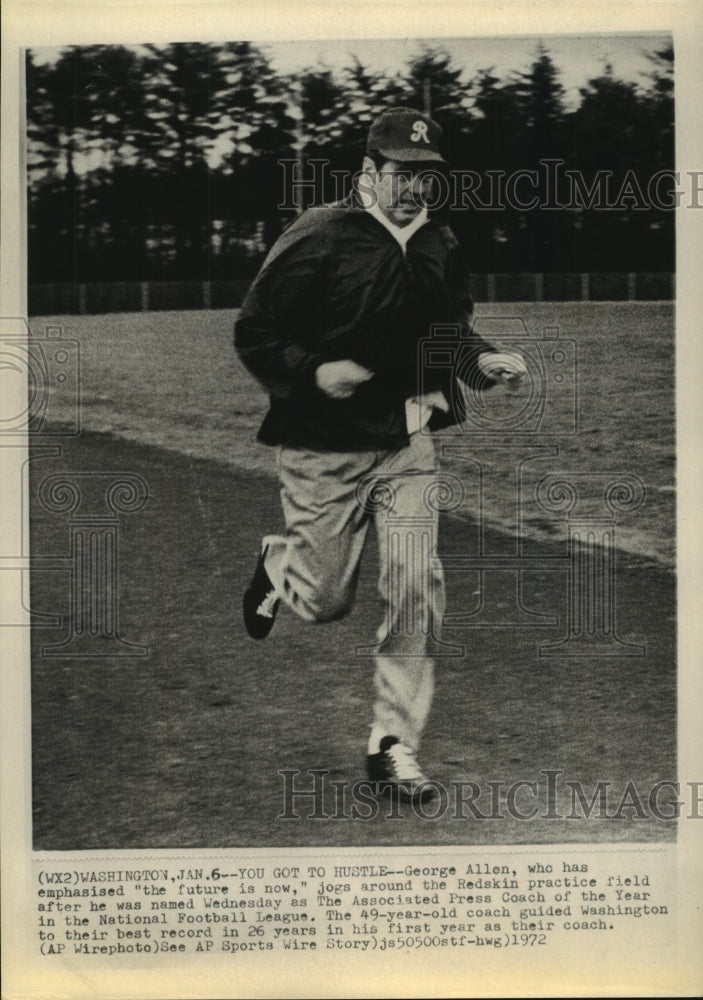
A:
(372, 539)
(350, 454)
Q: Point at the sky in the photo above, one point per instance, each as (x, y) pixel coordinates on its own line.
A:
(577, 57)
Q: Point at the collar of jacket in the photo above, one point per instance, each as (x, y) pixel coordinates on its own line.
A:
(353, 204)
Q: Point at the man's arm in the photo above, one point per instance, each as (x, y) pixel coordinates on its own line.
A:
(470, 346)
(478, 366)
(275, 333)
(462, 300)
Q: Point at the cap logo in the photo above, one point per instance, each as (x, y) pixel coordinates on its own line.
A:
(419, 132)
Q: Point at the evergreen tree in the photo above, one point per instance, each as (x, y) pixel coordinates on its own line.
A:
(659, 153)
(60, 134)
(258, 132)
(435, 86)
(540, 96)
(164, 160)
(608, 143)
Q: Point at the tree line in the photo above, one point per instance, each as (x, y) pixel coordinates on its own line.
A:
(176, 161)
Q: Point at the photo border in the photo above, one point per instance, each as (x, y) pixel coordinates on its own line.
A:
(36, 23)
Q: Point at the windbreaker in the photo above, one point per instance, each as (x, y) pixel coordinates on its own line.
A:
(337, 285)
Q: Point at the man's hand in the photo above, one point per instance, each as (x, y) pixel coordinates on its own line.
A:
(507, 368)
(339, 379)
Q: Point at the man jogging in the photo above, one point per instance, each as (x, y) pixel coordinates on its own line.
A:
(331, 328)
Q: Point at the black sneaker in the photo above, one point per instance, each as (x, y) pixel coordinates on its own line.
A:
(260, 602)
(395, 770)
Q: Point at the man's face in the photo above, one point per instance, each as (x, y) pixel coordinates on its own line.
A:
(401, 190)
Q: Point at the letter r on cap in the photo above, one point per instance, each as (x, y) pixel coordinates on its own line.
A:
(419, 132)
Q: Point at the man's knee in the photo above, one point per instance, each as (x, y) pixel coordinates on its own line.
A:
(328, 607)
(323, 586)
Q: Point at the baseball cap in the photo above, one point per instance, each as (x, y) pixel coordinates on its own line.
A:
(404, 134)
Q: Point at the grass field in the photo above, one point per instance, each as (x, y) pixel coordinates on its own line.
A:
(183, 748)
(172, 380)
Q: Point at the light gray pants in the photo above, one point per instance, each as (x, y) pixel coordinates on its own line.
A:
(329, 500)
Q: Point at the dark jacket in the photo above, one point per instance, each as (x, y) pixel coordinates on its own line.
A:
(337, 285)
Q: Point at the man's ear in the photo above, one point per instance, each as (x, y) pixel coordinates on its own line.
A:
(368, 166)
(366, 181)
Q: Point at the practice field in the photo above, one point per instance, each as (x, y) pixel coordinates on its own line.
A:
(172, 380)
(184, 747)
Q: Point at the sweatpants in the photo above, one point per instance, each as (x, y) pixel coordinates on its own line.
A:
(329, 500)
